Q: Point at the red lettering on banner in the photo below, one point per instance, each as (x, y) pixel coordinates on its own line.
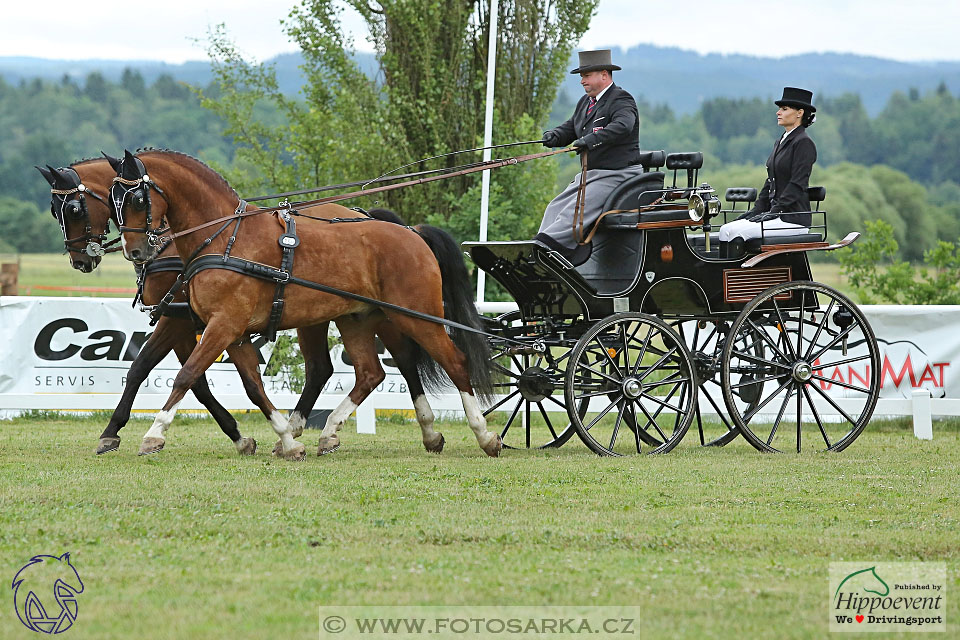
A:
(897, 379)
(927, 376)
(865, 380)
(941, 366)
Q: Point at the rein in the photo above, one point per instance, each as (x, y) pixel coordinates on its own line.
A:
(482, 166)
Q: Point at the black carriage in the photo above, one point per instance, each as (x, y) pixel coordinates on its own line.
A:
(662, 326)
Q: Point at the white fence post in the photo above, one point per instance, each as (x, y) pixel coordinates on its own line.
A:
(922, 415)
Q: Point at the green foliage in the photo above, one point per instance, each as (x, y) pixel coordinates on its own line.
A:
(24, 227)
(427, 98)
(899, 282)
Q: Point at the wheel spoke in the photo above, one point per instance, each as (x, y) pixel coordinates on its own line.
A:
(776, 423)
(840, 336)
(865, 356)
(599, 373)
(841, 384)
(616, 424)
(758, 360)
(605, 352)
(820, 326)
(783, 329)
(656, 365)
(763, 336)
(834, 404)
(604, 412)
(505, 399)
(750, 383)
(651, 420)
(513, 416)
(816, 416)
(546, 418)
(799, 417)
(760, 406)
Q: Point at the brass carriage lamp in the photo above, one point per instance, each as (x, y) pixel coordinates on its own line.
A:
(703, 205)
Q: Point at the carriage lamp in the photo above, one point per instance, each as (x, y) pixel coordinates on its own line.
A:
(702, 206)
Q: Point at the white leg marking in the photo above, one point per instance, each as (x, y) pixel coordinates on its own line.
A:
(161, 423)
(282, 428)
(425, 418)
(476, 420)
(338, 417)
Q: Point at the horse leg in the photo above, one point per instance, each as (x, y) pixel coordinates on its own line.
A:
(213, 342)
(318, 369)
(434, 339)
(358, 341)
(404, 352)
(151, 353)
(201, 389)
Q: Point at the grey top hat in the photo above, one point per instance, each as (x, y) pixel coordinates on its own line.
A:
(595, 61)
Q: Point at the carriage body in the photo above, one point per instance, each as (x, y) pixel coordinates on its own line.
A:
(722, 318)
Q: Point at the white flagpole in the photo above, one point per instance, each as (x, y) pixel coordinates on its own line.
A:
(488, 137)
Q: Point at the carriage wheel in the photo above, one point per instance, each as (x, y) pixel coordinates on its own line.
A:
(638, 378)
(529, 383)
(819, 379)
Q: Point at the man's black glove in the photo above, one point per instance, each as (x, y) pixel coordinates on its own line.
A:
(580, 145)
(551, 138)
(746, 215)
(764, 217)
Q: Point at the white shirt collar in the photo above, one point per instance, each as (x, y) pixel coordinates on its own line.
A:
(600, 95)
(785, 134)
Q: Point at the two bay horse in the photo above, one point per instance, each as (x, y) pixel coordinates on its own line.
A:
(79, 202)
(420, 270)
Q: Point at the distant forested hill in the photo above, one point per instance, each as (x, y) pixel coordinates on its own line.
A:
(675, 77)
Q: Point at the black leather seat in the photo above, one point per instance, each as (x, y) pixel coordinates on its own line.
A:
(617, 244)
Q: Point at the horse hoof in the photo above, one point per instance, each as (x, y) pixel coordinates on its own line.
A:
(246, 446)
(436, 446)
(278, 448)
(493, 447)
(328, 444)
(296, 454)
(150, 445)
(107, 444)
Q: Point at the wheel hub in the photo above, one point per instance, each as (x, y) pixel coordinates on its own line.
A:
(632, 388)
(535, 384)
(802, 371)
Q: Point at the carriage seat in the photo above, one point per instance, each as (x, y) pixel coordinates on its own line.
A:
(618, 244)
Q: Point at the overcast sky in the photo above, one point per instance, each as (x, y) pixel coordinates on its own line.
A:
(114, 29)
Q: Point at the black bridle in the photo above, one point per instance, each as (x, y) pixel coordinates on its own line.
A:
(138, 190)
(73, 202)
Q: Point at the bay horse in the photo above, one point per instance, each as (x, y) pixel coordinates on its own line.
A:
(79, 203)
(421, 270)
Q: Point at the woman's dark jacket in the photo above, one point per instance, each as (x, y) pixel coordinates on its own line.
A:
(788, 177)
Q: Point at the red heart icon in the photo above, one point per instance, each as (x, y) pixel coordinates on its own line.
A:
(859, 618)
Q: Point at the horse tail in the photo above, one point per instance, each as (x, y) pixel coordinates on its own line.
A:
(458, 306)
(387, 216)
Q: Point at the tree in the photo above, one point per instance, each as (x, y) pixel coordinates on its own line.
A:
(427, 98)
(899, 282)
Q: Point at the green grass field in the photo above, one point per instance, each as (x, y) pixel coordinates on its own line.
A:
(196, 542)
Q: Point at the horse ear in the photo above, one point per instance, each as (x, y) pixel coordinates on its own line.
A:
(114, 162)
(129, 169)
(46, 174)
(61, 179)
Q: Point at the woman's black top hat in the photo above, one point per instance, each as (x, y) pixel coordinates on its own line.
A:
(797, 98)
(595, 61)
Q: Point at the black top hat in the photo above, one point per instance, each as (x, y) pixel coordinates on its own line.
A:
(798, 98)
(595, 61)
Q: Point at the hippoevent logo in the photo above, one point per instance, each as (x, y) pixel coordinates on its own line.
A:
(45, 593)
(891, 596)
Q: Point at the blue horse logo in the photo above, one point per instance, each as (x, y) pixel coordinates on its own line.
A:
(38, 577)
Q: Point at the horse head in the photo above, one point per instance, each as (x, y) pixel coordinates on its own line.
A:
(139, 216)
(43, 583)
(83, 214)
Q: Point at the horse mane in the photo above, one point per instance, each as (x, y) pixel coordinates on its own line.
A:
(86, 161)
(180, 154)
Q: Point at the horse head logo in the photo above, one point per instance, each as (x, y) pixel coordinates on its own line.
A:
(865, 580)
(56, 612)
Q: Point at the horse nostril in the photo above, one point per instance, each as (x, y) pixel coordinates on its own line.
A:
(135, 254)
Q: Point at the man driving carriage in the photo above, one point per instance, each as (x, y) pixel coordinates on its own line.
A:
(606, 130)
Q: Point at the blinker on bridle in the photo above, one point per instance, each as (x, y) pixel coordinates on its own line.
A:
(138, 190)
(77, 207)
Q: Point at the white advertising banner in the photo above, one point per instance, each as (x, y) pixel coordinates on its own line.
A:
(83, 347)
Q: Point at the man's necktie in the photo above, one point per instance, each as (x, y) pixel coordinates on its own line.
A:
(591, 106)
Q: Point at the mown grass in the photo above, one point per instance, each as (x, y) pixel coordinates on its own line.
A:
(196, 542)
(53, 269)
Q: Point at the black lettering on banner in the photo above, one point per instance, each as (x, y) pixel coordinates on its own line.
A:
(137, 340)
(43, 344)
(109, 349)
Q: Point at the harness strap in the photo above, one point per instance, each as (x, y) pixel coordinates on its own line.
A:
(257, 270)
(288, 241)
